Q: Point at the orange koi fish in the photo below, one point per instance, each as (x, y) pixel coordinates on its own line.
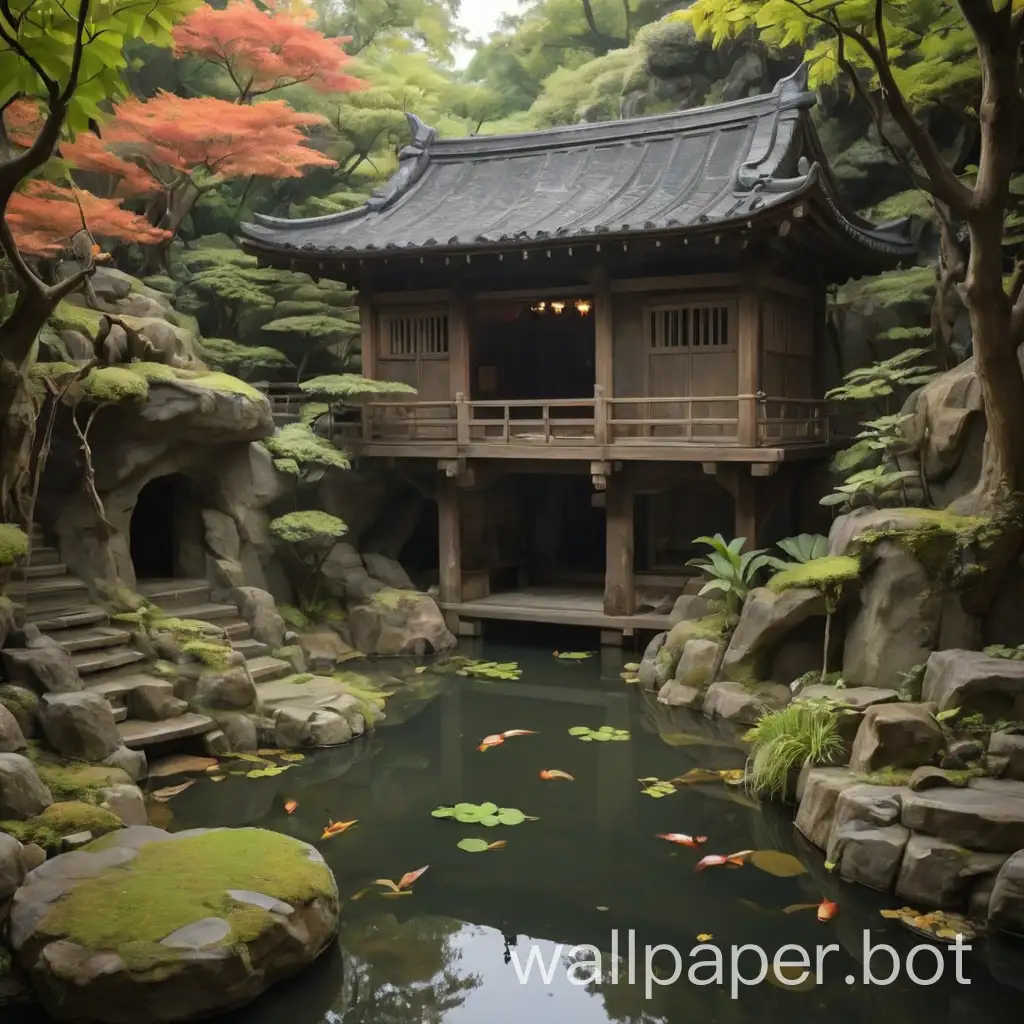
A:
(827, 910)
(291, 806)
(498, 738)
(335, 828)
(713, 860)
(680, 840)
(554, 773)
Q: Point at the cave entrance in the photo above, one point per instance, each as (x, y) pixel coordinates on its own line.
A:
(164, 519)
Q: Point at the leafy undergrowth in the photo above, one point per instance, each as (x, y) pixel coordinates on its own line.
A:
(172, 884)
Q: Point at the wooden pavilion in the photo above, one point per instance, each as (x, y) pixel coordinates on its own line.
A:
(615, 331)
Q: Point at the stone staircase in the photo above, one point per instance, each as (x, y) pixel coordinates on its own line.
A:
(58, 604)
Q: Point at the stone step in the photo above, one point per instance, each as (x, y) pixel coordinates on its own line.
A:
(115, 686)
(137, 734)
(39, 570)
(61, 588)
(251, 649)
(76, 640)
(266, 668)
(104, 660)
(164, 592)
(236, 629)
(215, 613)
(43, 555)
(77, 617)
(121, 713)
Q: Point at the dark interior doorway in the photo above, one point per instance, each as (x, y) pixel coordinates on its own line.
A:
(153, 529)
(420, 555)
(519, 352)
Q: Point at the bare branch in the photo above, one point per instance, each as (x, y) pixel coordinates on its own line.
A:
(21, 268)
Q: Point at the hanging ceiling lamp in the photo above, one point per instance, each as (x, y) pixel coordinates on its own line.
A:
(538, 307)
(557, 308)
(583, 306)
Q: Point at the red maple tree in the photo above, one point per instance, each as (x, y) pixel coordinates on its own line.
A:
(190, 146)
(45, 218)
(264, 50)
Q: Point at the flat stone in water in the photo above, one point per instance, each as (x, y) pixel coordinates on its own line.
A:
(988, 817)
(207, 931)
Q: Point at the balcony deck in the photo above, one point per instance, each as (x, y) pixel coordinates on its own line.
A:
(734, 428)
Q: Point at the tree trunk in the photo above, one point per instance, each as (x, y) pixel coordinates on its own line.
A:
(998, 365)
(169, 216)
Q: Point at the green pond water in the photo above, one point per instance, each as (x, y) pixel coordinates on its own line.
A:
(590, 866)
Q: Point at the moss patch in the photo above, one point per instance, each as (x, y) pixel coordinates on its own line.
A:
(300, 678)
(60, 820)
(113, 384)
(13, 543)
(68, 316)
(820, 573)
(393, 599)
(17, 699)
(171, 884)
(154, 371)
(711, 627)
(297, 442)
(887, 777)
(226, 384)
(294, 617)
(76, 780)
(936, 540)
(212, 655)
(182, 629)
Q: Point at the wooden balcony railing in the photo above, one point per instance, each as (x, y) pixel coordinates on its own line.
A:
(729, 420)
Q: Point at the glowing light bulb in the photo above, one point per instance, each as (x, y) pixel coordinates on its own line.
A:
(582, 307)
(557, 307)
(539, 307)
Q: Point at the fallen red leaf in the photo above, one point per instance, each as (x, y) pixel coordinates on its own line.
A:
(335, 828)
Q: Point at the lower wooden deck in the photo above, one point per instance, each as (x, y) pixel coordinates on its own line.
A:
(555, 605)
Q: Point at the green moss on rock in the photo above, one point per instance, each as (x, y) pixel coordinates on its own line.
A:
(113, 384)
(294, 617)
(13, 543)
(181, 629)
(297, 442)
(211, 654)
(155, 371)
(819, 573)
(68, 316)
(172, 884)
(287, 466)
(226, 384)
(308, 527)
(711, 627)
(393, 599)
(60, 820)
(17, 699)
(75, 780)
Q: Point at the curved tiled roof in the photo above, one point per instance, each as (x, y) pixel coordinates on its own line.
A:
(707, 166)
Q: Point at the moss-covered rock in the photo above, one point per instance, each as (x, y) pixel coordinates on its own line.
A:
(22, 703)
(66, 818)
(13, 543)
(75, 780)
(136, 907)
(823, 574)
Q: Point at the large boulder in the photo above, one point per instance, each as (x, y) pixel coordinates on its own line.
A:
(896, 736)
(154, 701)
(221, 535)
(12, 867)
(127, 802)
(258, 608)
(1006, 907)
(323, 649)
(399, 622)
(737, 703)
(896, 626)
(23, 703)
(1006, 755)
(766, 621)
(975, 682)
(229, 912)
(42, 663)
(388, 571)
(818, 794)
(694, 673)
(22, 793)
(936, 873)
(987, 815)
(296, 727)
(870, 855)
(79, 725)
(11, 737)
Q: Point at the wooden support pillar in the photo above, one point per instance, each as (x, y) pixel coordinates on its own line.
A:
(458, 345)
(747, 524)
(603, 332)
(619, 511)
(449, 540)
(748, 345)
(368, 342)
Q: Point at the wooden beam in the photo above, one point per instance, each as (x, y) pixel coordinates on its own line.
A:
(785, 287)
(458, 346)
(368, 334)
(604, 335)
(747, 524)
(748, 361)
(679, 282)
(449, 540)
(430, 296)
(619, 597)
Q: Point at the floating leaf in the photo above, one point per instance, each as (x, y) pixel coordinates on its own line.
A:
(774, 862)
(163, 795)
(217, 778)
(511, 816)
(938, 924)
(602, 735)
(335, 828)
(629, 677)
(293, 757)
(631, 666)
(574, 655)
(830, 865)
(473, 845)
(270, 753)
(182, 764)
(442, 812)
(945, 716)
(580, 730)
(411, 876)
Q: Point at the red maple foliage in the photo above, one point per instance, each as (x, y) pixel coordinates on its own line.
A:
(264, 50)
(45, 217)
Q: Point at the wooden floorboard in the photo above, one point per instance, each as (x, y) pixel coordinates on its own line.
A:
(562, 606)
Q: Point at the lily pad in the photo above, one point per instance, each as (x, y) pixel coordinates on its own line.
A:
(487, 814)
(473, 845)
(777, 863)
(511, 816)
(580, 730)
(574, 655)
(604, 734)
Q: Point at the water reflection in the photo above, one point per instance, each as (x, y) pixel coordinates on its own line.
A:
(588, 867)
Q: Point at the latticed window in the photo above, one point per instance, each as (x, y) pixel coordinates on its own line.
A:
(413, 335)
(690, 327)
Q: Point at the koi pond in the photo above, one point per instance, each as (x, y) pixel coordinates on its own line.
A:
(573, 862)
